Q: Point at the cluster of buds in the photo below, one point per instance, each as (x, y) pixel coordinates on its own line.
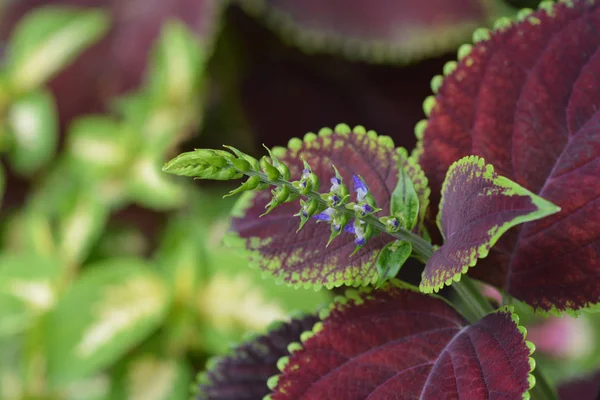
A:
(333, 207)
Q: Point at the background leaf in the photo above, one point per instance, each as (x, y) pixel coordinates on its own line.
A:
(301, 258)
(385, 31)
(33, 126)
(476, 209)
(150, 377)
(28, 288)
(396, 341)
(586, 388)
(47, 40)
(535, 120)
(243, 374)
(110, 308)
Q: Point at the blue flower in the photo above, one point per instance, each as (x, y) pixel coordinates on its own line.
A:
(326, 215)
(360, 188)
(358, 229)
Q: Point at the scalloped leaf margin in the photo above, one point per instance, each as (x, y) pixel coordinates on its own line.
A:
(399, 341)
(243, 374)
(376, 32)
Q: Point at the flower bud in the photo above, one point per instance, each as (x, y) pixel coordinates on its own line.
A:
(272, 172)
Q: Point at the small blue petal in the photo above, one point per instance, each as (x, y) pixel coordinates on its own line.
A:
(322, 217)
(360, 241)
(359, 184)
(335, 181)
(367, 208)
(350, 227)
(335, 199)
(304, 214)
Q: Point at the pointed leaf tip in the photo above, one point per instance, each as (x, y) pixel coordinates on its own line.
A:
(476, 209)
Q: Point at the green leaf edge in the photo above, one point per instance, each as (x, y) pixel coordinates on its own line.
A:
(202, 377)
(373, 51)
(356, 295)
(234, 241)
(544, 209)
(479, 35)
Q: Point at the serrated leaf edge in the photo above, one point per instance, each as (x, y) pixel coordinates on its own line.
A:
(358, 297)
(202, 377)
(479, 35)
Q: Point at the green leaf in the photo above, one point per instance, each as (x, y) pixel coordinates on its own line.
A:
(2, 183)
(176, 65)
(151, 377)
(33, 125)
(112, 307)
(47, 40)
(27, 289)
(405, 201)
(29, 231)
(151, 188)
(391, 258)
(477, 207)
(99, 146)
(80, 227)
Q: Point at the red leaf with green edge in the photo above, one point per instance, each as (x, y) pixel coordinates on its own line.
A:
(243, 374)
(302, 258)
(476, 209)
(535, 119)
(399, 343)
(380, 31)
(587, 388)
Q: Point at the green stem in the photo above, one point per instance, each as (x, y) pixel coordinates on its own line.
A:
(421, 247)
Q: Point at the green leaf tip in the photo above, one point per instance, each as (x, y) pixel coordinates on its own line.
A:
(470, 182)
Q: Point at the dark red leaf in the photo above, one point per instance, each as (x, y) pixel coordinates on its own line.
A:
(476, 209)
(302, 258)
(386, 30)
(581, 389)
(512, 101)
(243, 374)
(399, 343)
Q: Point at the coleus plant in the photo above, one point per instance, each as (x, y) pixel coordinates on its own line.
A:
(509, 157)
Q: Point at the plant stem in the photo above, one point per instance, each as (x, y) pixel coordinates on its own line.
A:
(474, 305)
(420, 246)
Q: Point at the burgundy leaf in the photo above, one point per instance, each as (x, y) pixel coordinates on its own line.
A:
(243, 374)
(118, 63)
(398, 343)
(581, 389)
(302, 258)
(476, 209)
(511, 101)
(386, 30)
